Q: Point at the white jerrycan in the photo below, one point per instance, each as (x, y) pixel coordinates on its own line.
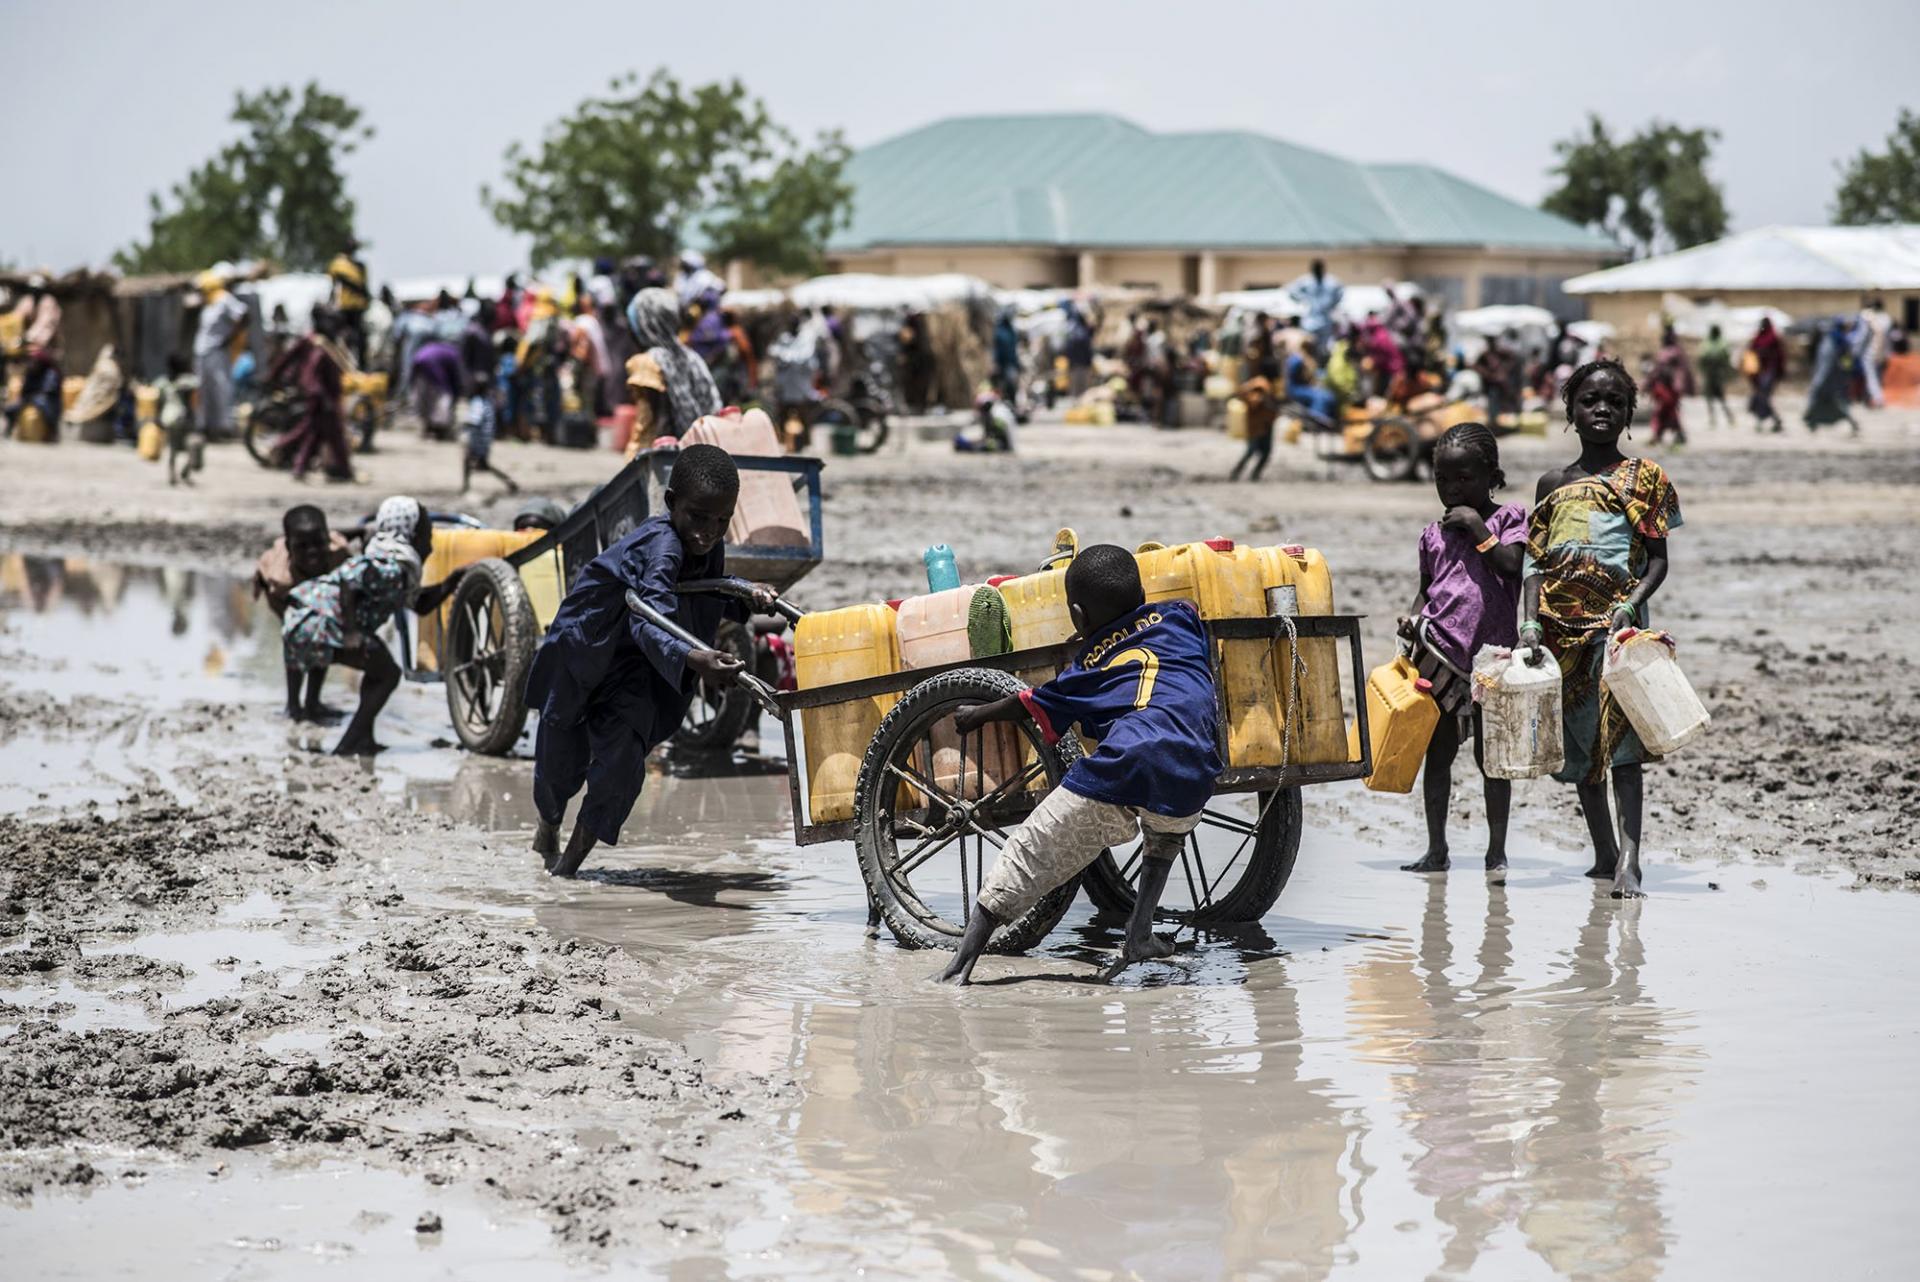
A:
(1644, 678)
(1519, 713)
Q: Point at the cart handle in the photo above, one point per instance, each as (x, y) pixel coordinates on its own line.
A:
(742, 590)
(761, 692)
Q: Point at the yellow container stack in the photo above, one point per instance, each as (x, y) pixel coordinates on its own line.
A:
(1319, 723)
(1401, 715)
(452, 550)
(831, 647)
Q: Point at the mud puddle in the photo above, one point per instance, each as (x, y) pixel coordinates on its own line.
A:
(1389, 1076)
(249, 1218)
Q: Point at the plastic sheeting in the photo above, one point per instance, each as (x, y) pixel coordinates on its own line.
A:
(1774, 259)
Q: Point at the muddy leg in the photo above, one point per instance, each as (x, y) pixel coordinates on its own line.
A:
(1499, 794)
(1628, 792)
(1593, 804)
(1436, 789)
(513, 487)
(546, 842)
(316, 710)
(873, 919)
(1155, 864)
(379, 679)
(294, 711)
(980, 926)
(579, 845)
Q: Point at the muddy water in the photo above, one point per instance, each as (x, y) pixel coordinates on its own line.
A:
(1390, 1076)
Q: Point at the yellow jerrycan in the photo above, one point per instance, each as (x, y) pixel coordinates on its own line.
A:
(1401, 715)
(1296, 581)
(830, 647)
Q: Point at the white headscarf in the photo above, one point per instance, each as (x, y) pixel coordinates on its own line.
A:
(392, 536)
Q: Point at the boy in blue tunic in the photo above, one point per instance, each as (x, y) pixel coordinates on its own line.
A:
(610, 688)
(1142, 685)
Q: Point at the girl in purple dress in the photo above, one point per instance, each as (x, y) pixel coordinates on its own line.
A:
(1469, 597)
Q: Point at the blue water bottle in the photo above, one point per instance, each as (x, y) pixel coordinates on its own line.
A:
(942, 572)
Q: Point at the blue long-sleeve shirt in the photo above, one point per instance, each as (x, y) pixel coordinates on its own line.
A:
(599, 653)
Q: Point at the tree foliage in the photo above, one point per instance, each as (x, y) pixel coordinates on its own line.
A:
(1650, 190)
(276, 192)
(640, 170)
(1883, 187)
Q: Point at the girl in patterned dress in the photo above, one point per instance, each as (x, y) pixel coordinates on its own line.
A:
(1596, 553)
(333, 618)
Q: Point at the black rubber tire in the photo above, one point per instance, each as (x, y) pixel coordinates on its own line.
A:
(906, 915)
(1267, 868)
(735, 710)
(873, 428)
(1393, 450)
(487, 691)
(263, 425)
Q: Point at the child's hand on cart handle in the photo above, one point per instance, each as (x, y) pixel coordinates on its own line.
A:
(716, 667)
(764, 595)
(972, 716)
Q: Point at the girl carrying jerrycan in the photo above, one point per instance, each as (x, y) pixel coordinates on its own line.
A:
(1596, 553)
(1470, 562)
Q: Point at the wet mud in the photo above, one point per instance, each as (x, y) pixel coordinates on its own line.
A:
(268, 1014)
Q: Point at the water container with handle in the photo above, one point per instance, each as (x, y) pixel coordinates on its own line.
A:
(1644, 678)
(1401, 715)
(1519, 713)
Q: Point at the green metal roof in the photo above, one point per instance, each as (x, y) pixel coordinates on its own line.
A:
(1097, 181)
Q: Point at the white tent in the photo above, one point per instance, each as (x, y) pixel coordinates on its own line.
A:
(1774, 260)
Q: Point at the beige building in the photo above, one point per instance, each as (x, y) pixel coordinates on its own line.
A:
(1076, 201)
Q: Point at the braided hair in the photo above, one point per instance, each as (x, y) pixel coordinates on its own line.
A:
(1571, 387)
(1478, 440)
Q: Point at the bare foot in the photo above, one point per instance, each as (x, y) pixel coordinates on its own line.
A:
(1626, 885)
(324, 713)
(1152, 948)
(546, 841)
(294, 712)
(1429, 862)
(1603, 872)
(360, 748)
(957, 975)
(1496, 862)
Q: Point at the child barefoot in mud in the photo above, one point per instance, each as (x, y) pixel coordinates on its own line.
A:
(1469, 594)
(305, 550)
(1142, 687)
(332, 619)
(1596, 552)
(610, 688)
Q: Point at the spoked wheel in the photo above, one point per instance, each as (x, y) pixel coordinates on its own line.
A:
(265, 424)
(1232, 869)
(717, 717)
(931, 811)
(1393, 450)
(489, 647)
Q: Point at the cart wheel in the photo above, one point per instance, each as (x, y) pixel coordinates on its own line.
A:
(1234, 866)
(924, 848)
(1393, 450)
(489, 645)
(717, 717)
(264, 424)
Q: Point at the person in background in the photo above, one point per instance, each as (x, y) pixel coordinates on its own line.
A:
(506, 312)
(350, 299)
(1006, 356)
(916, 362)
(1257, 394)
(1827, 394)
(222, 318)
(1866, 367)
(439, 383)
(174, 413)
(673, 387)
(1673, 356)
(1318, 296)
(1078, 349)
(696, 282)
(1879, 346)
(1716, 367)
(1765, 364)
(39, 314)
(412, 327)
(313, 367)
(479, 421)
(592, 363)
(1497, 366)
(1664, 391)
(1304, 392)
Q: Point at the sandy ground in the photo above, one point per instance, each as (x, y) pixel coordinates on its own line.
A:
(216, 946)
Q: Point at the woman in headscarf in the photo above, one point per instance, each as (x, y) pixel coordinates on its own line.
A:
(1827, 395)
(333, 618)
(672, 385)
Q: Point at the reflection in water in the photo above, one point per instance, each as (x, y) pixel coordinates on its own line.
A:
(1542, 1108)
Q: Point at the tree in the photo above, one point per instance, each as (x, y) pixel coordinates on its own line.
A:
(274, 193)
(1651, 189)
(642, 169)
(1883, 188)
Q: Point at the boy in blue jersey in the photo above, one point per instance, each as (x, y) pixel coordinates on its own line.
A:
(611, 687)
(1142, 686)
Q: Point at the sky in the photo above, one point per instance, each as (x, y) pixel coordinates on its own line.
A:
(110, 101)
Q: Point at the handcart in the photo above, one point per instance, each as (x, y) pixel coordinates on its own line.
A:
(924, 832)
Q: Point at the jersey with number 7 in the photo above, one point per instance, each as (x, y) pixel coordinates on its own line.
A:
(1142, 687)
